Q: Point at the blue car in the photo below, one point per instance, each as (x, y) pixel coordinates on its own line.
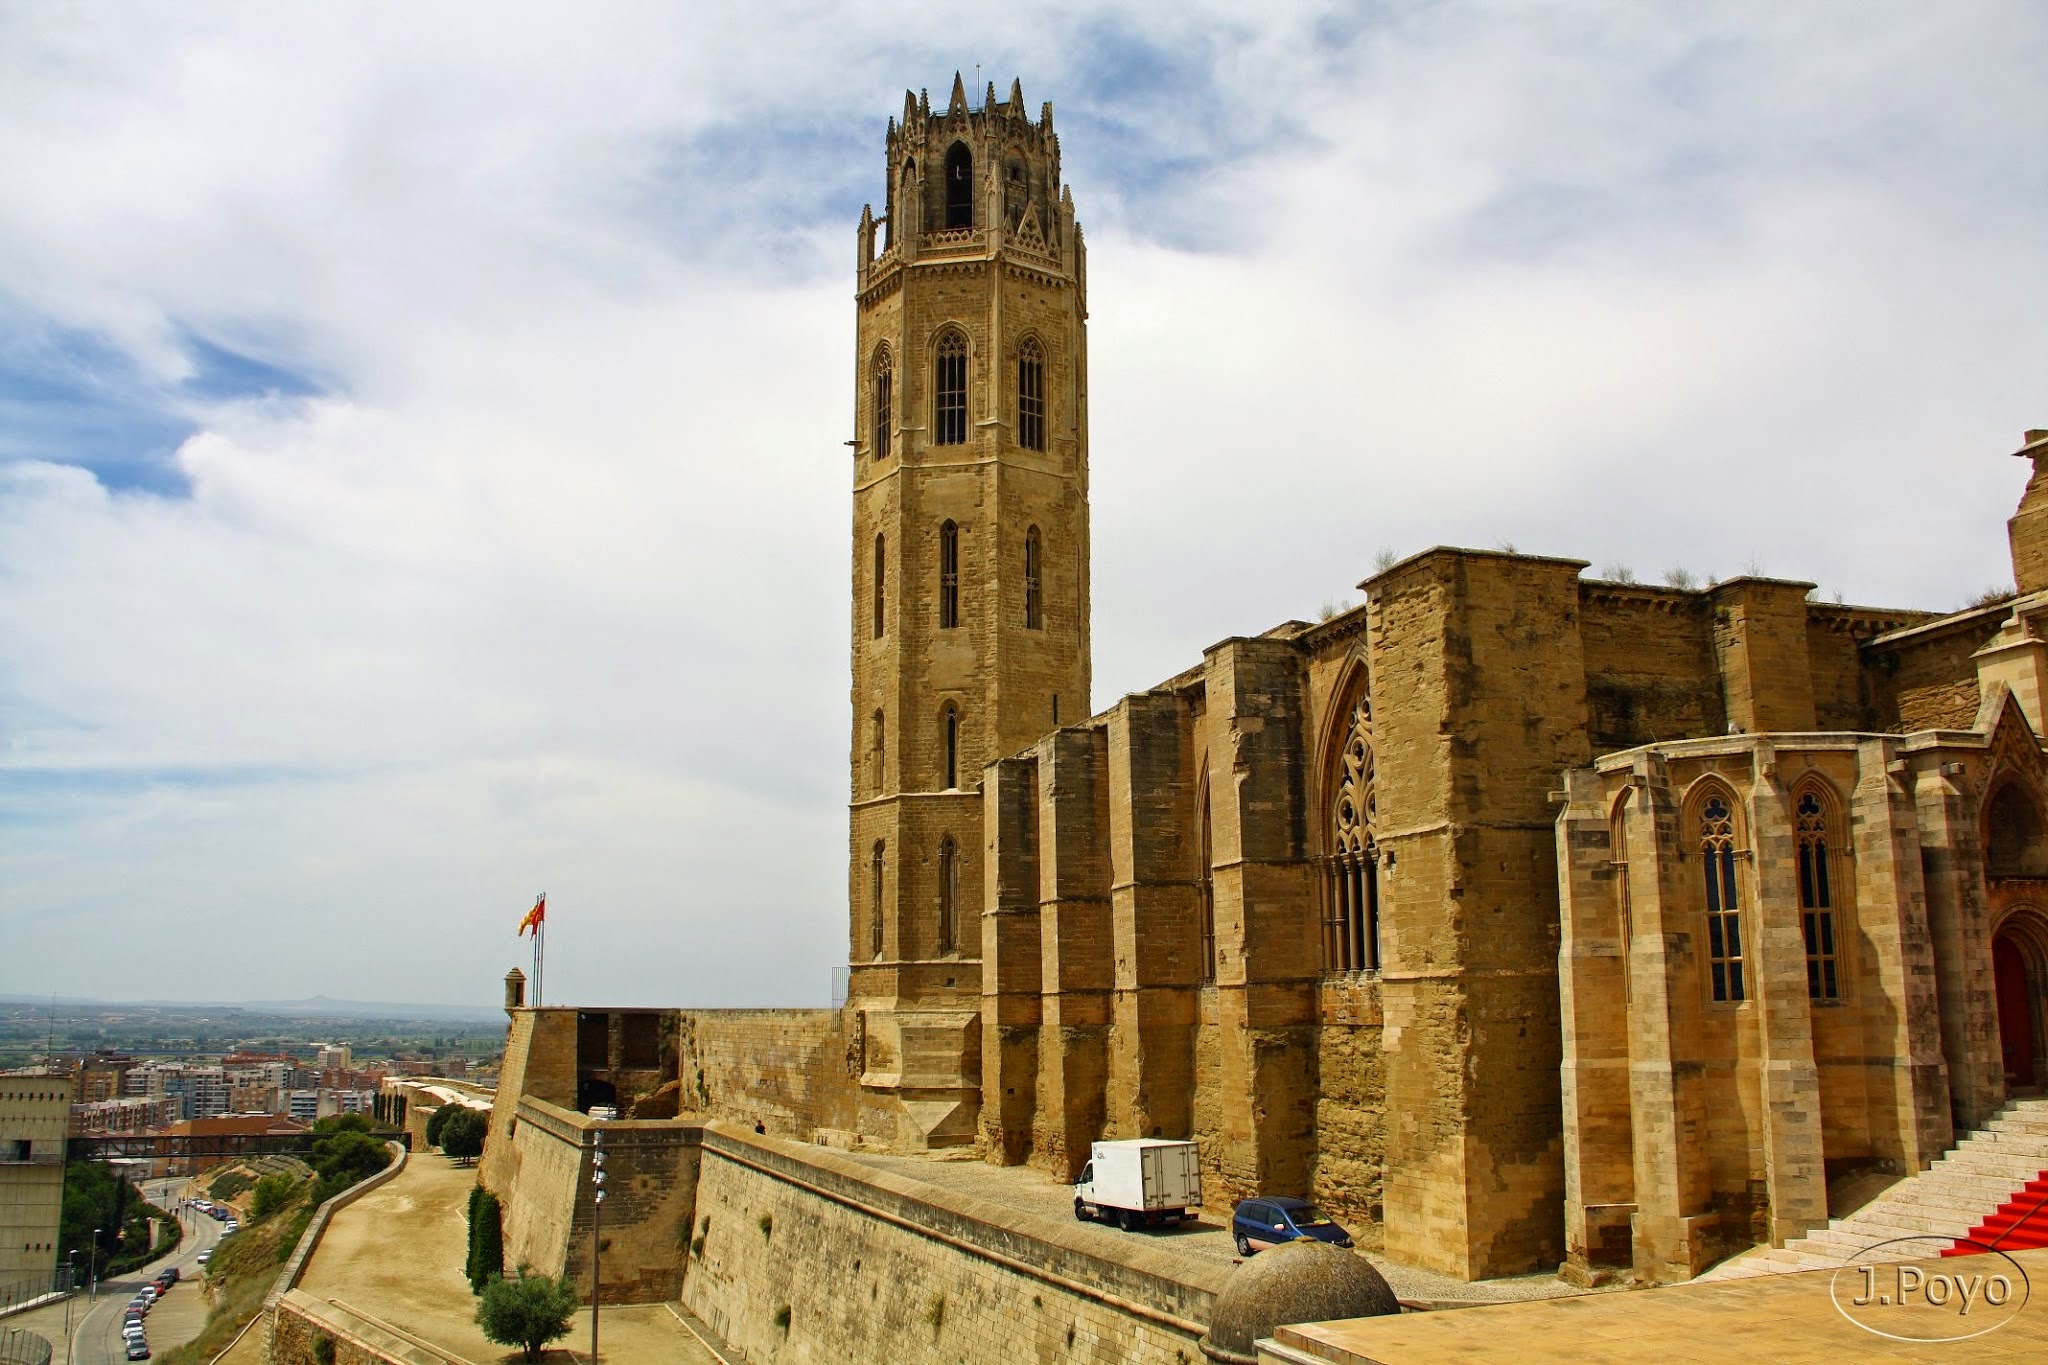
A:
(1270, 1220)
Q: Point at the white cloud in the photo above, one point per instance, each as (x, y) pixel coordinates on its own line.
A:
(547, 587)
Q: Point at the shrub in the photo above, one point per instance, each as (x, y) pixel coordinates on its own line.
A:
(435, 1122)
(486, 1244)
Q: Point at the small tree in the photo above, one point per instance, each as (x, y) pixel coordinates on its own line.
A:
(346, 1157)
(435, 1121)
(462, 1135)
(527, 1311)
(273, 1192)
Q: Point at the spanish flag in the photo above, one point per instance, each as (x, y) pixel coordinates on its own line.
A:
(535, 916)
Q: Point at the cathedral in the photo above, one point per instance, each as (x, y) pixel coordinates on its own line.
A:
(1527, 919)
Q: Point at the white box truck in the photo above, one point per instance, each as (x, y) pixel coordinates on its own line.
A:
(1138, 1181)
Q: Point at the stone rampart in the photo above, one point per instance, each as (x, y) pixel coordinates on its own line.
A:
(800, 1254)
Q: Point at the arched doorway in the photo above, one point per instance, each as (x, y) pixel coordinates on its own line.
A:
(2019, 974)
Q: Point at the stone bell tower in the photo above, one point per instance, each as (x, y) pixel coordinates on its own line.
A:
(970, 570)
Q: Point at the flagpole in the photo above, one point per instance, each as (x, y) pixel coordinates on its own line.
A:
(540, 932)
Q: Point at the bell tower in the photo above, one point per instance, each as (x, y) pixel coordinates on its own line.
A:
(970, 569)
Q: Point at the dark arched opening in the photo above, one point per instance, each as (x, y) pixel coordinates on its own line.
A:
(2013, 843)
(959, 187)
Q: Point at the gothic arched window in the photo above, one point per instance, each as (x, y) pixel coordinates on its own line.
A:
(1034, 612)
(949, 724)
(1351, 883)
(949, 391)
(1031, 395)
(885, 383)
(876, 752)
(949, 576)
(949, 895)
(881, 584)
(959, 186)
(1812, 827)
(875, 899)
(1714, 826)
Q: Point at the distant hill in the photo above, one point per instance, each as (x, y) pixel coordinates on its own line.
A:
(319, 1006)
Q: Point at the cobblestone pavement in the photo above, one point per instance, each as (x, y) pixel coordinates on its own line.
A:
(1207, 1240)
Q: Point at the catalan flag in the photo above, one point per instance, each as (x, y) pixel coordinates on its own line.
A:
(535, 916)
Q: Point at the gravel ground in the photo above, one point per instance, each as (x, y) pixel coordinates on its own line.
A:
(397, 1254)
(1206, 1240)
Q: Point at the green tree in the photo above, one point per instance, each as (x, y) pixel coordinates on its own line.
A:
(486, 1243)
(436, 1121)
(462, 1136)
(342, 1123)
(527, 1311)
(346, 1157)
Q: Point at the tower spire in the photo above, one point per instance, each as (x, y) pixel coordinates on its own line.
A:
(959, 103)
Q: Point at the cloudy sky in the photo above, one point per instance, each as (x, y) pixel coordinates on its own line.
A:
(421, 480)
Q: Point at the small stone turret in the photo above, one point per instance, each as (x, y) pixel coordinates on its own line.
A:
(515, 990)
(2028, 529)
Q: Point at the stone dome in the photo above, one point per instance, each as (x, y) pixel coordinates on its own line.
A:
(1299, 1281)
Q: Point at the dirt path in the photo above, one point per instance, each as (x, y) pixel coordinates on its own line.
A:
(397, 1253)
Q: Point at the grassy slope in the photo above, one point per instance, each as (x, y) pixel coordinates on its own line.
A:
(244, 1266)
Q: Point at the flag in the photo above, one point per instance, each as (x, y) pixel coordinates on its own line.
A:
(535, 916)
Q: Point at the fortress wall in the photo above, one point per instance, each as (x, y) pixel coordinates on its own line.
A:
(786, 1069)
(650, 1190)
(808, 1256)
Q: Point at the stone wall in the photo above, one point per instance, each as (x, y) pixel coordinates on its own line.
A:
(785, 1069)
(801, 1255)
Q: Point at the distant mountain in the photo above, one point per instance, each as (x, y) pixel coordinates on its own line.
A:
(318, 1006)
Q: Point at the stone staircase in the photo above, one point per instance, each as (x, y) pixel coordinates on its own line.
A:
(1923, 1215)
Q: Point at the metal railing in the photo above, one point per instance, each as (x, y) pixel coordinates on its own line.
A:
(19, 1346)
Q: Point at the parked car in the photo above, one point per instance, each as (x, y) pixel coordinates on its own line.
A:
(138, 1350)
(1269, 1221)
(206, 1256)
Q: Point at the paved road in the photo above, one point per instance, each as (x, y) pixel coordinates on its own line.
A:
(178, 1316)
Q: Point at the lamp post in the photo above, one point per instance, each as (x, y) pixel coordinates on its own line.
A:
(70, 1292)
(596, 1239)
(94, 1266)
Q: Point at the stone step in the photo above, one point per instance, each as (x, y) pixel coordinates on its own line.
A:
(1909, 1225)
(2019, 1169)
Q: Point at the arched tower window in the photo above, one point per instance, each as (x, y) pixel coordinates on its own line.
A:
(877, 765)
(1351, 884)
(949, 895)
(949, 576)
(875, 862)
(1205, 888)
(1034, 614)
(1031, 395)
(1812, 815)
(881, 584)
(1016, 189)
(949, 725)
(949, 391)
(1617, 848)
(1714, 827)
(959, 186)
(885, 385)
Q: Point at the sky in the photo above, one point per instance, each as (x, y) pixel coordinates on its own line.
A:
(421, 468)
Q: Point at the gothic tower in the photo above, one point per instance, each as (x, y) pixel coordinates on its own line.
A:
(970, 569)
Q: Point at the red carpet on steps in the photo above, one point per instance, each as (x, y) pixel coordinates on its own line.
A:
(2020, 1224)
